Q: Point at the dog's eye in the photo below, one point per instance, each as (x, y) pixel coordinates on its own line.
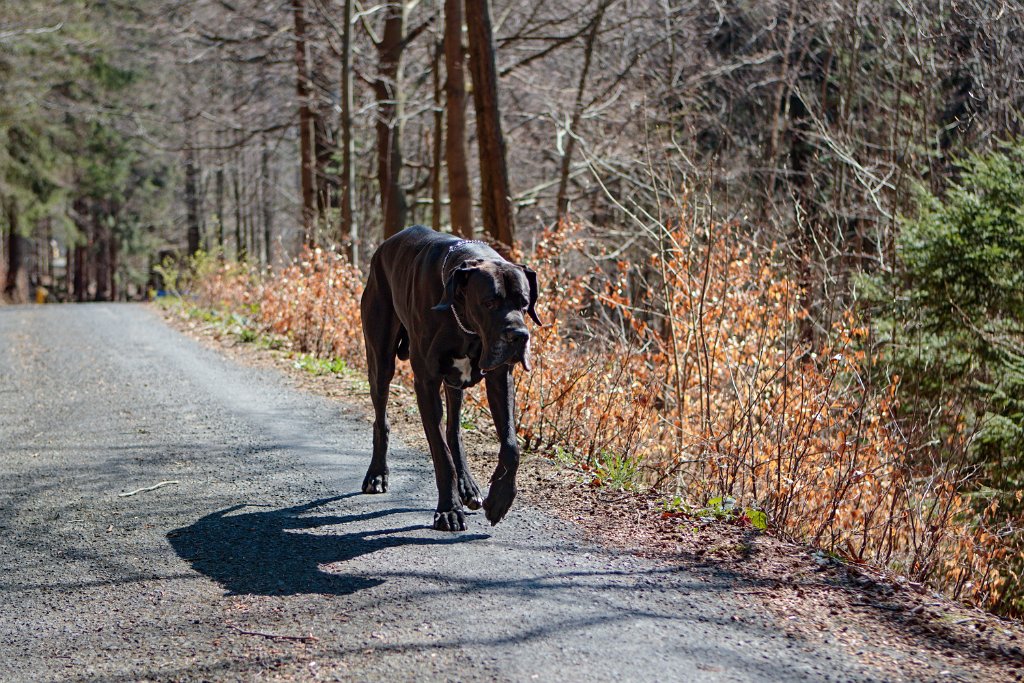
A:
(491, 304)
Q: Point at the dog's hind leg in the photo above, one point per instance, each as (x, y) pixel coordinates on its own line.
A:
(469, 492)
(382, 332)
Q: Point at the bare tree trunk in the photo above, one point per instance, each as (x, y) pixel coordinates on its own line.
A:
(69, 261)
(348, 223)
(240, 248)
(219, 190)
(389, 129)
(307, 180)
(324, 146)
(10, 213)
(459, 196)
(435, 167)
(577, 113)
(252, 248)
(44, 259)
(495, 197)
(81, 275)
(267, 201)
(3, 247)
(780, 113)
(192, 198)
(16, 286)
(112, 254)
(102, 251)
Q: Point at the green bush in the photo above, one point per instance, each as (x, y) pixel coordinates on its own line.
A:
(953, 313)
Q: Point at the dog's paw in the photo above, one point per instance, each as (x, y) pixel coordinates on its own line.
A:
(469, 492)
(375, 483)
(450, 520)
(499, 499)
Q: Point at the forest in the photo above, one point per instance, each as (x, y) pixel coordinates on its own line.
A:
(780, 244)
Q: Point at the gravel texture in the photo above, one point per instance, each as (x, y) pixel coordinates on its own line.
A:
(263, 562)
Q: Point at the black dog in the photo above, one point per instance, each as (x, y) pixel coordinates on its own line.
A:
(455, 309)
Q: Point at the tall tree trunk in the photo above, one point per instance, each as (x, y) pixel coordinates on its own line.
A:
(16, 286)
(102, 252)
(495, 197)
(389, 129)
(112, 254)
(44, 255)
(219, 191)
(435, 167)
(460, 200)
(4, 240)
(80, 283)
(349, 229)
(240, 248)
(577, 113)
(192, 197)
(19, 251)
(324, 146)
(252, 247)
(266, 201)
(780, 116)
(81, 274)
(69, 261)
(307, 180)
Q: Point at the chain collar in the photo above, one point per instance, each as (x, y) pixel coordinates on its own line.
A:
(444, 282)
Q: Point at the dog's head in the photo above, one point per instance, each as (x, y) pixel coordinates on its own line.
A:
(492, 297)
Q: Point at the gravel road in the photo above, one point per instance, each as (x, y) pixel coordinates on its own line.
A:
(264, 562)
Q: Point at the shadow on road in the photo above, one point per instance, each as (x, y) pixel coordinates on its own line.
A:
(279, 552)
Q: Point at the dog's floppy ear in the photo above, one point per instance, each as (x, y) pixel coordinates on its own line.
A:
(531, 277)
(455, 282)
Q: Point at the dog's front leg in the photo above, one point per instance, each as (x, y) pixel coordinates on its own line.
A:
(469, 492)
(449, 515)
(502, 402)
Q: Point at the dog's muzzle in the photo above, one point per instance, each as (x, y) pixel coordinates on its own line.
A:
(512, 347)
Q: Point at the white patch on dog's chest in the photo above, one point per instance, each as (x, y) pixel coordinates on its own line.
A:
(465, 369)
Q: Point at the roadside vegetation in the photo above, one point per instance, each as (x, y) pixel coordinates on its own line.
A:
(890, 438)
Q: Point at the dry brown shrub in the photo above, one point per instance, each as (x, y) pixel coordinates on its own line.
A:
(315, 303)
(708, 386)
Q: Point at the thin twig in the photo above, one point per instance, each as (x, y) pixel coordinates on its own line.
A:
(273, 636)
(148, 488)
(31, 31)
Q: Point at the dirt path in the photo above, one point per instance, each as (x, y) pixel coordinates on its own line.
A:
(261, 561)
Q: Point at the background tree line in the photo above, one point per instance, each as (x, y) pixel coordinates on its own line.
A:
(256, 126)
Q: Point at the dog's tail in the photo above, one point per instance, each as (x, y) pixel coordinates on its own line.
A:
(403, 344)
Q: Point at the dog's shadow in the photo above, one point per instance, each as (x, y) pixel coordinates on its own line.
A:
(277, 552)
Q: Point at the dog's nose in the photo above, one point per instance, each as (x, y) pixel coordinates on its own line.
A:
(517, 336)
